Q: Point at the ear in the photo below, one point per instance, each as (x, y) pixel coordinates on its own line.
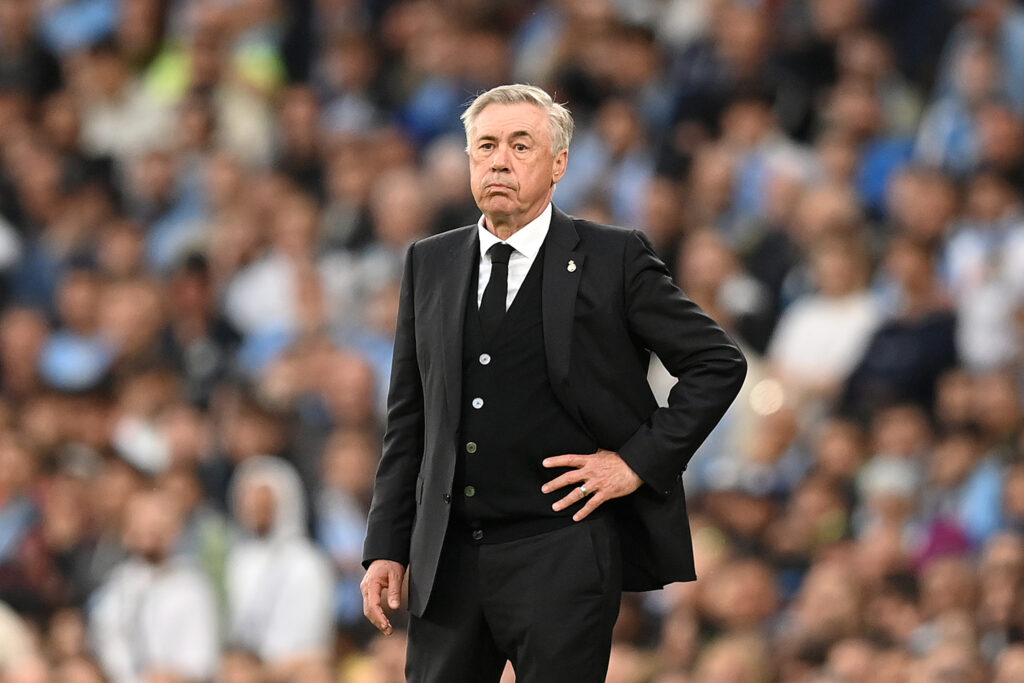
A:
(558, 166)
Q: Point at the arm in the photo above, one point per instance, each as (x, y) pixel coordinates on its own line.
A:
(706, 362)
(389, 525)
(709, 369)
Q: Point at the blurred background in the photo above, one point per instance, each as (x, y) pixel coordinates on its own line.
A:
(204, 206)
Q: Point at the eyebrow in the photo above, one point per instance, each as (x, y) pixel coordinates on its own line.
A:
(514, 135)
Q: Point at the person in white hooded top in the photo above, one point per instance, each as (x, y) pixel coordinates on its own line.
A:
(279, 585)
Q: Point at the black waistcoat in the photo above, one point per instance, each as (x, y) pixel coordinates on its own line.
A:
(511, 420)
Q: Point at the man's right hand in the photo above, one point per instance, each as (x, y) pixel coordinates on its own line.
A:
(382, 575)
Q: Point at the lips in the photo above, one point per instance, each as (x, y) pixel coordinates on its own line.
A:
(498, 187)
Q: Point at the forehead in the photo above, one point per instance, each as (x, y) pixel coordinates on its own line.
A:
(500, 120)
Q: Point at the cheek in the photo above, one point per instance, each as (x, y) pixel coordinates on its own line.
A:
(536, 180)
(476, 176)
(475, 186)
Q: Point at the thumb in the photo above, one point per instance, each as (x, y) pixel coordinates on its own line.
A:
(394, 590)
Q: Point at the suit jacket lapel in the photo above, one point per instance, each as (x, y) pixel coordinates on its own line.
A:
(453, 288)
(563, 268)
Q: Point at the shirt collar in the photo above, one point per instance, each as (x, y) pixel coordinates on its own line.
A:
(527, 240)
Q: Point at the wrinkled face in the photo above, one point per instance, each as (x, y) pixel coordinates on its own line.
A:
(512, 169)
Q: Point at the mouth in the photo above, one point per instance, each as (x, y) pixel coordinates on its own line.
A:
(498, 187)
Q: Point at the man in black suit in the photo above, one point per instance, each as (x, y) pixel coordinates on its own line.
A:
(528, 475)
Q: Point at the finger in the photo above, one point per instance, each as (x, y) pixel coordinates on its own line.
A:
(592, 504)
(380, 620)
(563, 480)
(572, 497)
(567, 460)
(394, 590)
(372, 609)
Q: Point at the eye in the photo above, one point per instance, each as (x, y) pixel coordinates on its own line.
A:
(520, 147)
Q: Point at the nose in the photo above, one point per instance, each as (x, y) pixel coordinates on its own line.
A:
(499, 161)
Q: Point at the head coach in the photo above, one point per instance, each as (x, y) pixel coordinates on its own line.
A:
(528, 476)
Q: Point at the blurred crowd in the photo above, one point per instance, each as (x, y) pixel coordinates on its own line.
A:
(204, 208)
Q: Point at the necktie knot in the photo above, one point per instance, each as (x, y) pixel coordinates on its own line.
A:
(500, 253)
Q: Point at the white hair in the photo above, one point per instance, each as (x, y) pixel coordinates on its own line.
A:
(559, 117)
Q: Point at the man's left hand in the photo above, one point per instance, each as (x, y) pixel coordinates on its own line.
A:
(601, 476)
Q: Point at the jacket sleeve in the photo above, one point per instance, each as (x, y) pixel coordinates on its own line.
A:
(706, 362)
(389, 525)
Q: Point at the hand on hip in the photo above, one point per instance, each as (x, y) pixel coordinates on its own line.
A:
(601, 476)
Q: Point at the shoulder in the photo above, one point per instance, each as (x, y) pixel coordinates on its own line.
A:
(616, 246)
(598, 239)
(184, 583)
(123, 576)
(444, 242)
(601, 233)
(244, 554)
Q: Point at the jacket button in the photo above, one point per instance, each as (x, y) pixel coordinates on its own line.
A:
(485, 358)
(471, 447)
(478, 403)
(447, 498)
(478, 535)
(469, 491)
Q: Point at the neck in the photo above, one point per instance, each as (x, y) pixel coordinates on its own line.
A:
(502, 230)
(920, 300)
(504, 226)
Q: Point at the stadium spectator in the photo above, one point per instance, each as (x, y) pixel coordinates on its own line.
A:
(820, 338)
(154, 617)
(278, 584)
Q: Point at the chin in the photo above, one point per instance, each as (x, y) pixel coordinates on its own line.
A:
(497, 207)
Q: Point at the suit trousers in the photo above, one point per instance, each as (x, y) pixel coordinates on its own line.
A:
(547, 603)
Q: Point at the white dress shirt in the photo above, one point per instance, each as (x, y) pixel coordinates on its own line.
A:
(526, 243)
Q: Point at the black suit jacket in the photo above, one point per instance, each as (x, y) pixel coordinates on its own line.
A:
(601, 320)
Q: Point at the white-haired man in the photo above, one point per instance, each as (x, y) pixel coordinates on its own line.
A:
(528, 476)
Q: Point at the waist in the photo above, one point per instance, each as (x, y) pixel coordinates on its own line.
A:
(503, 531)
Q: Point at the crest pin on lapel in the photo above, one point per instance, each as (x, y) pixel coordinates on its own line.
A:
(571, 267)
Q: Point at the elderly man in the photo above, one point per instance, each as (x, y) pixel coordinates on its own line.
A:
(528, 475)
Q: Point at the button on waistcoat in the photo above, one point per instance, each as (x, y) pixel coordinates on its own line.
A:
(510, 418)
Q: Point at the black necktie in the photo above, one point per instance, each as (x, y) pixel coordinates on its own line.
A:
(492, 306)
